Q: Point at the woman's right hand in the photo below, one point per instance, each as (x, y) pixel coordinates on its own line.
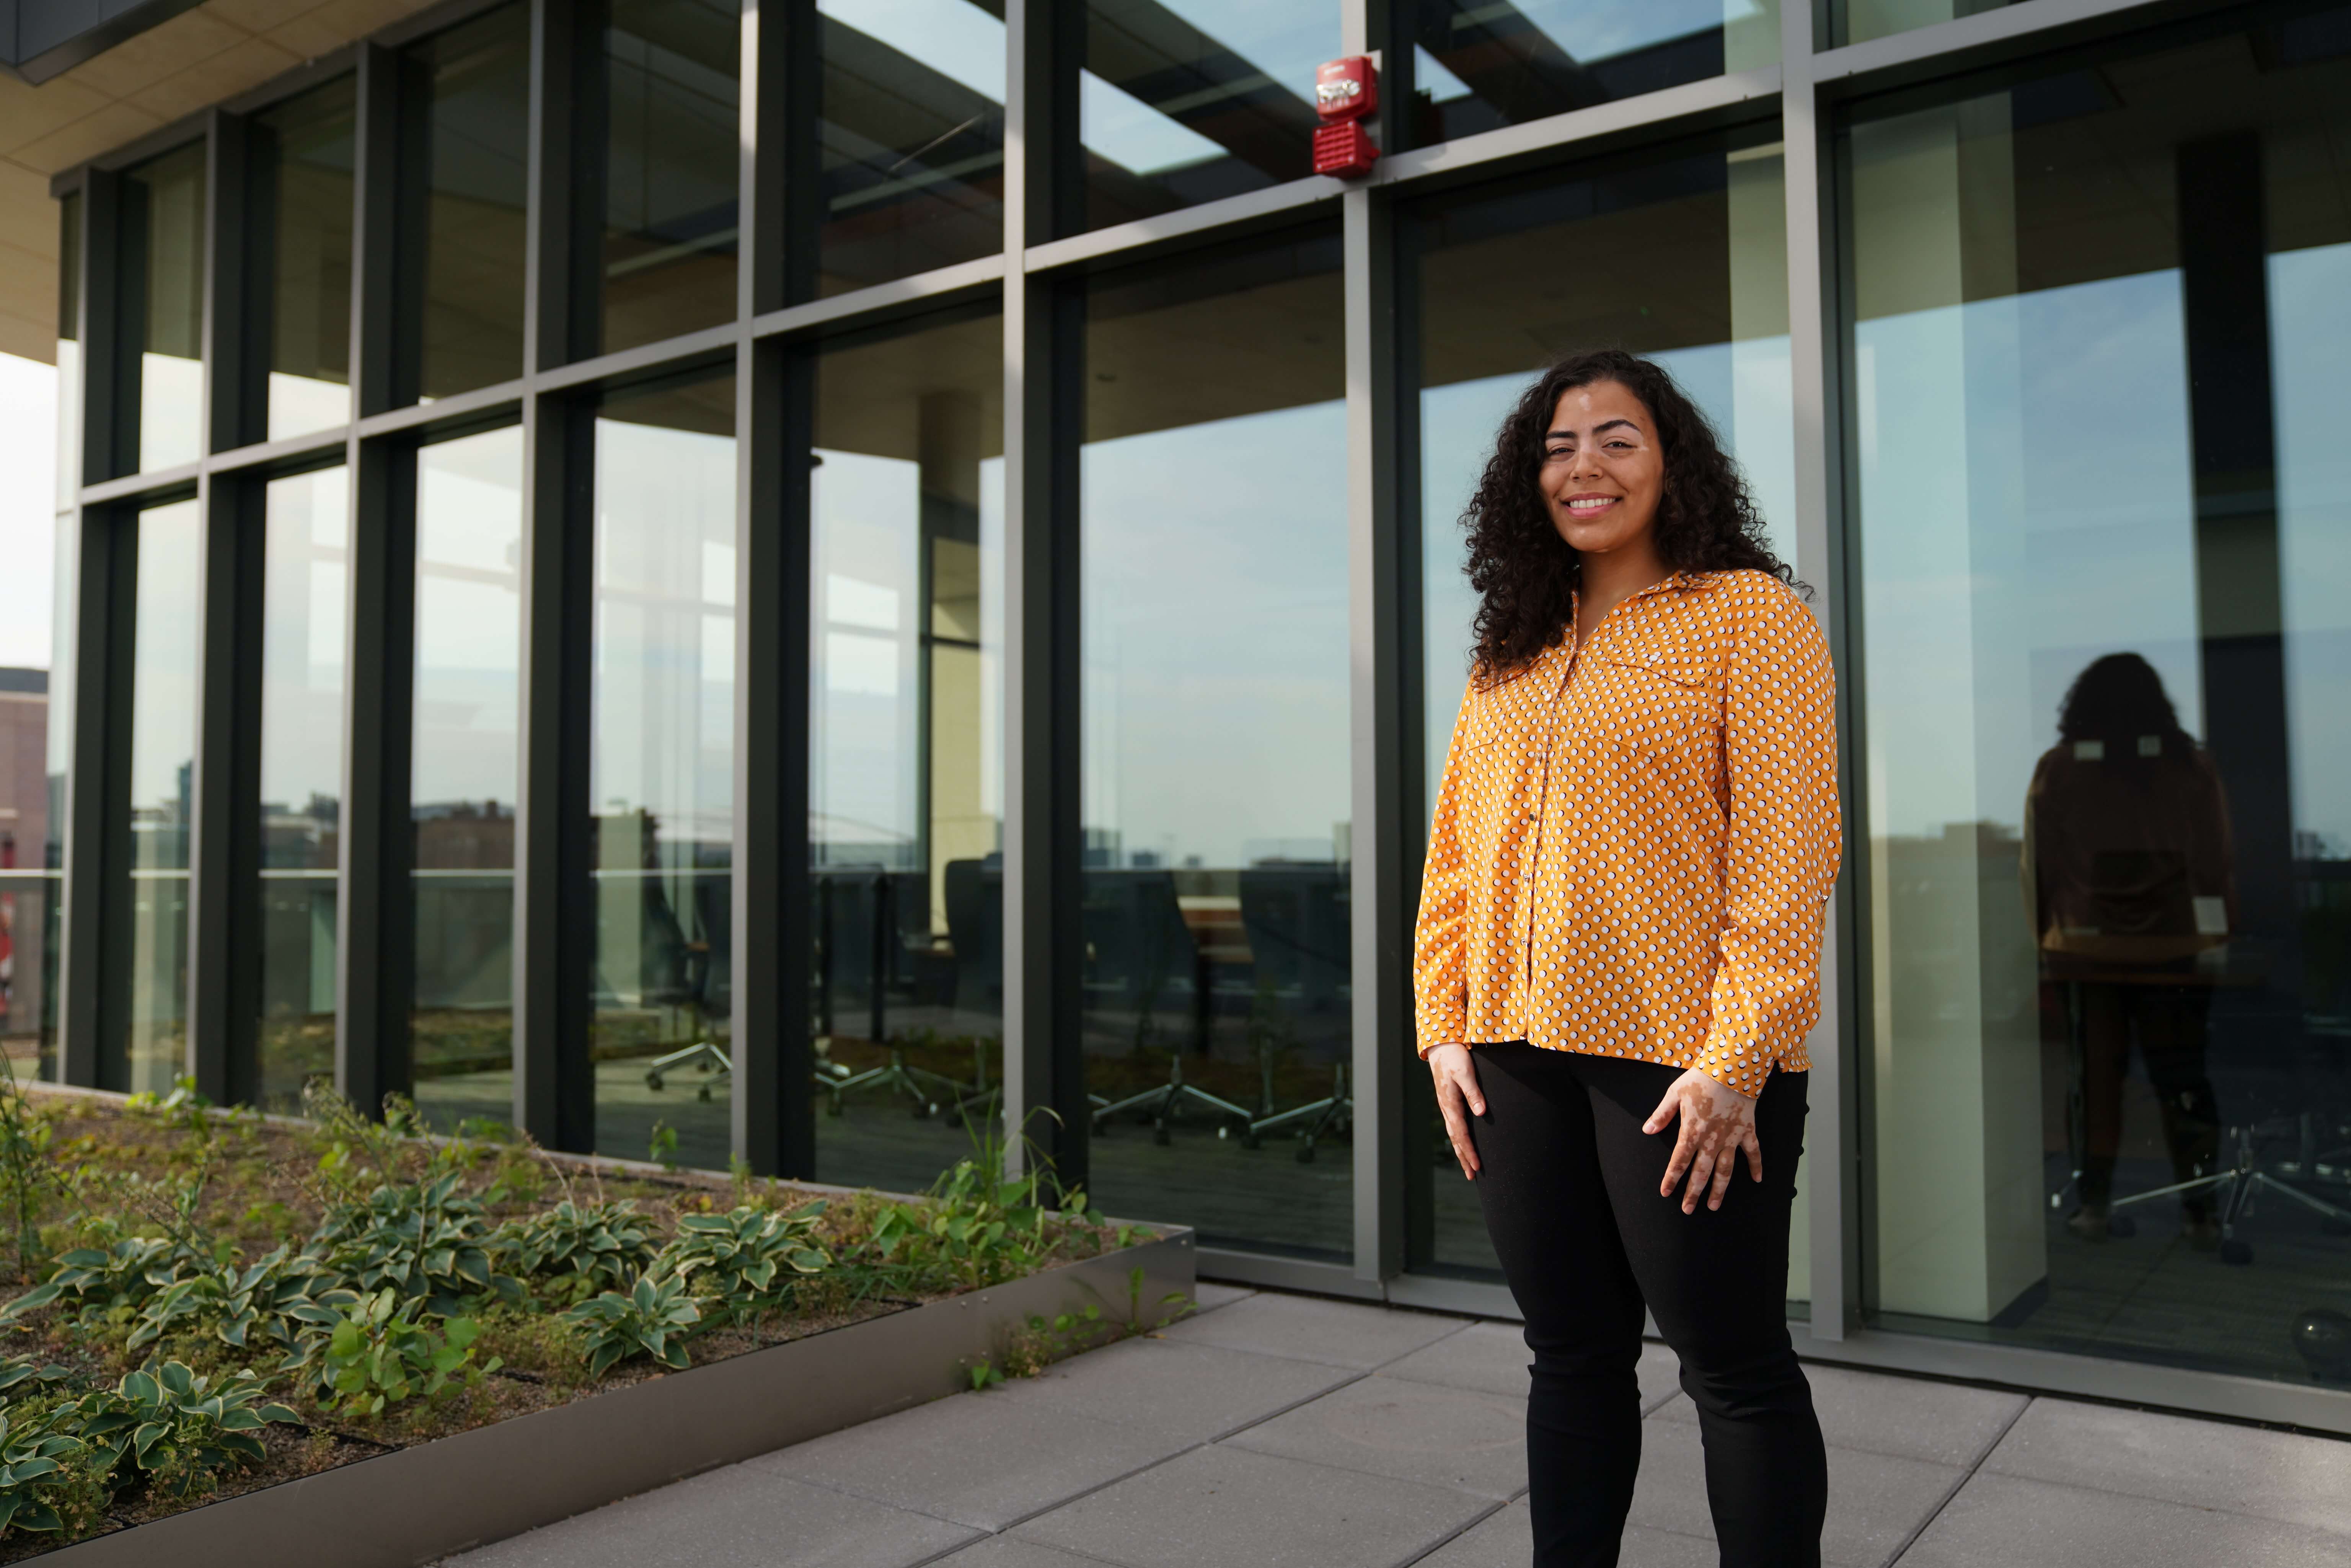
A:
(1459, 1098)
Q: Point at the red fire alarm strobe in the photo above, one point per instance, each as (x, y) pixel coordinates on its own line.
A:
(1347, 93)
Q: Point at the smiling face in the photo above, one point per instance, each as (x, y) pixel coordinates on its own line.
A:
(1603, 470)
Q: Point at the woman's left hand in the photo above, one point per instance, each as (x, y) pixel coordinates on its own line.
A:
(1716, 1122)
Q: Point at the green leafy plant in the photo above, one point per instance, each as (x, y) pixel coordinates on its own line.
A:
(174, 1425)
(983, 1374)
(37, 1464)
(425, 1241)
(662, 1150)
(27, 1178)
(746, 1262)
(273, 1299)
(653, 1317)
(981, 1228)
(125, 1275)
(575, 1250)
(376, 1355)
(183, 1107)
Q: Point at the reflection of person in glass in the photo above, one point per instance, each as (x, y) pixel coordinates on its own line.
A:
(2127, 866)
(1620, 923)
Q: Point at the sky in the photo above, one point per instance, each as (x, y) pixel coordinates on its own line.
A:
(28, 507)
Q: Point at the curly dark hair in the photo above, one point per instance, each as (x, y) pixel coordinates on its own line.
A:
(1524, 572)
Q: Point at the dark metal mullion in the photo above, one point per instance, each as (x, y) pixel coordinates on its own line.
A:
(375, 894)
(772, 1111)
(108, 647)
(774, 1105)
(1044, 937)
(224, 861)
(555, 913)
(380, 293)
(239, 246)
(560, 307)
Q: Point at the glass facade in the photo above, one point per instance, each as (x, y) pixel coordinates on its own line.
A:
(464, 255)
(1216, 810)
(302, 196)
(912, 140)
(149, 1050)
(305, 600)
(163, 260)
(2098, 344)
(669, 110)
(464, 772)
(1479, 66)
(1130, 589)
(661, 786)
(1183, 104)
(905, 809)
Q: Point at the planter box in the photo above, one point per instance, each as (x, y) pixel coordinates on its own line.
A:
(410, 1506)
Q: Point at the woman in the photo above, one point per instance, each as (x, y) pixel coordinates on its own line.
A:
(1619, 941)
(2129, 875)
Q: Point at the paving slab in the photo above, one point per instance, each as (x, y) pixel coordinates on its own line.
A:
(1413, 1431)
(2007, 1522)
(1876, 1501)
(1506, 1540)
(2205, 1464)
(1307, 1328)
(727, 1519)
(1207, 1295)
(1942, 1423)
(1222, 1505)
(1004, 1552)
(973, 1458)
(1184, 1392)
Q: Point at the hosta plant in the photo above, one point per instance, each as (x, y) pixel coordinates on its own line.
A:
(576, 1249)
(174, 1425)
(424, 1242)
(271, 1300)
(652, 1318)
(37, 1463)
(101, 1278)
(747, 1261)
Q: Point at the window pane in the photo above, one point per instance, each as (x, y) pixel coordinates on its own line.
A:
(302, 156)
(1189, 100)
(465, 773)
(905, 818)
(2103, 510)
(69, 387)
(1477, 67)
(164, 615)
(1858, 21)
(1216, 800)
(163, 247)
(660, 793)
(912, 139)
(1684, 259)
(673, 136)
(475, 82)
(305, 594)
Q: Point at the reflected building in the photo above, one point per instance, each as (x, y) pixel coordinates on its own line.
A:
(816, 584)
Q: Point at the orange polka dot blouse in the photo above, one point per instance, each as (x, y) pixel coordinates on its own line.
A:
(1633, 841)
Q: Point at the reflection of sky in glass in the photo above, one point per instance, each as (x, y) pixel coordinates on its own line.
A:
(2027, 507)
(468, 618)
(663, 713)
(2310, 315)
(863, 709)
(1586, 31)
(303, 592)
(164, 683)
(1284, 42)
(953, 37)
(1216, 637)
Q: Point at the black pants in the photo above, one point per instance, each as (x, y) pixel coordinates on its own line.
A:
(1570, 1188)
(2170, 1024)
